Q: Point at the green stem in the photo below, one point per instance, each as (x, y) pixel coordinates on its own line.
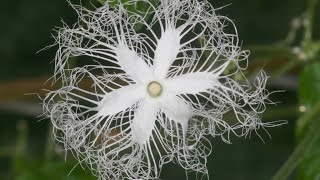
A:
(270, 50)
(284, 69)
(292, 33)
(303, 147)
(277, 49)
(311, 4)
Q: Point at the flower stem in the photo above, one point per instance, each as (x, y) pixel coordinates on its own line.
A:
(303, 147)
(271, 49)
(274, 50)
(311, 4)
(284, 69)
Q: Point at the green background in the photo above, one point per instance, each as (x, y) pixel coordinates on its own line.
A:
(26, 153)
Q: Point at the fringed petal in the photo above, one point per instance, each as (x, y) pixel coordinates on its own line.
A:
(121, 99)
(144, 121)
(167, 50)
(133, 65)
(176, 109)
(191, 83)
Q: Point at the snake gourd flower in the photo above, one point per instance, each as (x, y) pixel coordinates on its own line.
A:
(137, 100)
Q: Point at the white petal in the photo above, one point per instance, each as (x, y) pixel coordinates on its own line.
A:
(166, 52)
(121, 99)
(176, 109)
(144, 121)
(133, 65)
(191, 83)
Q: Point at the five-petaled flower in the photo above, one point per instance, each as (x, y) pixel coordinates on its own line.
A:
(154, 93)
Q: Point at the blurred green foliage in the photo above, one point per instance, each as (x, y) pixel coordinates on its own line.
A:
(309, 89)
(39, 170)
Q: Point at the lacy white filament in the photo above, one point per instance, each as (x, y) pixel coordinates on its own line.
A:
(137, 100)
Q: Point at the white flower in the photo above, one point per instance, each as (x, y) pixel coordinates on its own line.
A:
(154, 94)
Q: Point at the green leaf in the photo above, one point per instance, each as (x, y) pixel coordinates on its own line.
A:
(309, 90)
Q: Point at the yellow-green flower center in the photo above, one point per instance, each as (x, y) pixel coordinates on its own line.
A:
(154, 89)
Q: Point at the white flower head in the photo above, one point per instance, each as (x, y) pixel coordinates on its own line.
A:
(138, 100)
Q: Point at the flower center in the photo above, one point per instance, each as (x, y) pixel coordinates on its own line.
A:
(154, 89)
